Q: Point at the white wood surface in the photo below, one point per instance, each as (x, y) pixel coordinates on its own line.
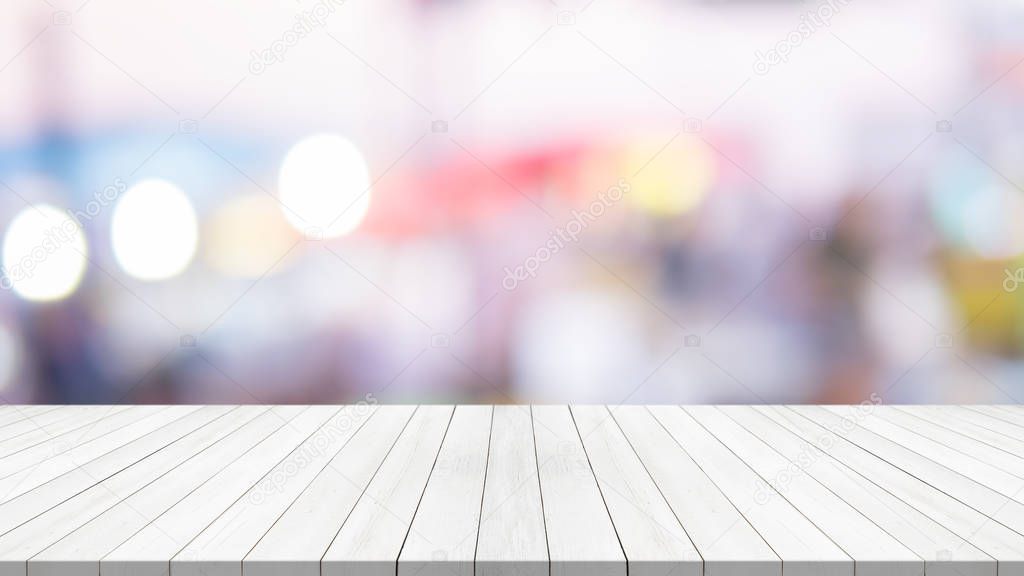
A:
(372, 536)
(149, 551)
(59, 506)
(367, 490)
(652, 538)
(1000, 420)
(727, 543)
(977, 451)
(92, 458)
(874, 551)
(57, 523)
(919, 533)
(939, 447)
(993, 537)
(969, 424)
(64, 433)
(443, 535)
(512, 538)
(82, 548)
(962, 486)
(301, 536)
(804, 548)
(221, 547)
(581, 537)
(12, 414)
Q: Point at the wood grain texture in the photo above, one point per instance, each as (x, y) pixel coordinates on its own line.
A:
(366, 490)
(726, 541)
(804, 548)
(652, 538)
(303, 533)
(443, 535)
(581, 537)
(512, 539)
(372, 536)
(915, 530)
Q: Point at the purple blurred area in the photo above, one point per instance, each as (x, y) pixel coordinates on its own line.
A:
(542, 201)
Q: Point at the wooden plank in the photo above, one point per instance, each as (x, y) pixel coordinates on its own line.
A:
(944, 553)
(150, 550)
(989, 536)
(874, 552)
(512, 539)
(961, 486)
(79, 553)
(443, 534)
(45, 422)
(59, 436)
(16, 413)
(1001, 421)
(581, 537)
(804, 549)
(371, 538)
(54, 443)
(21, 509)
(80, 458)
(513, 491)
(957, 440)
(220, 548)
(32, 537)
(654, 542)
(968, 423)
(966, 464)
(725, 540)
(300, 537)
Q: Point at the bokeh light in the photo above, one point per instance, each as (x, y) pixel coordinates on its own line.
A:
(670, 182)
(44, 254)
(800, 233)
(246, 236)
(154, 231)
(324, 186)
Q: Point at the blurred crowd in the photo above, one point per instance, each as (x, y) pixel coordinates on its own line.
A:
(483, 201)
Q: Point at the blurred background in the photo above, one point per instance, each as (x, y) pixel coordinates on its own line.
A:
(610, 201)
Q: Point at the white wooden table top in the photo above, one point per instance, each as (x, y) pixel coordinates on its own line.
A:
(512, 490)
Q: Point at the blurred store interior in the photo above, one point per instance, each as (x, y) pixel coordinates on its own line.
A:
(583, 201)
